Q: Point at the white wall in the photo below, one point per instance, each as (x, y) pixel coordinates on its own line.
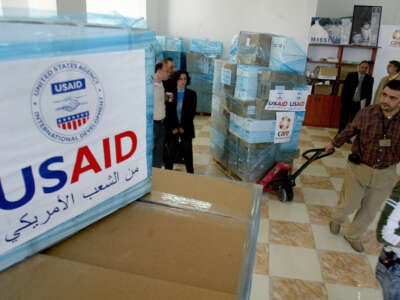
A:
(31, 7)
(221, 20)
(131, 8)
(343, 8)
(385, 52)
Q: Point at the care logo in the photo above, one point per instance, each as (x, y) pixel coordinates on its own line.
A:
(284, 123)
(67, 102)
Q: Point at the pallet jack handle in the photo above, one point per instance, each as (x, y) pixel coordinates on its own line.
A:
(318, 153)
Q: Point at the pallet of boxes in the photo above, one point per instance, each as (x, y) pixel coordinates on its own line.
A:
(83, 215)
(170, 47)
(259, 98)
(200, 65)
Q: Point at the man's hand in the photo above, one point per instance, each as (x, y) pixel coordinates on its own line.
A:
(329, 147)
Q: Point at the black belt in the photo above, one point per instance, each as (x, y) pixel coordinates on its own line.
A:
(159, 121)
(389, 260)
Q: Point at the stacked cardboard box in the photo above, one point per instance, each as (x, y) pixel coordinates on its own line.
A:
(243, 131)
(171, 47)
(182, 241)
(66, 64)
(200, 65)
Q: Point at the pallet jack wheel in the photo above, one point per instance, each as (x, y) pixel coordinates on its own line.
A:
(285, 194)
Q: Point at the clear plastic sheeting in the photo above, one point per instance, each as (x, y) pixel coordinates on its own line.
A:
(209, 48)
(42, 41)
(265, 75)
(279, 53)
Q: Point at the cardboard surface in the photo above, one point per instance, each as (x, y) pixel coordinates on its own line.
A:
(322, 89)
(45, 277)
(326, 72)
(193, 237)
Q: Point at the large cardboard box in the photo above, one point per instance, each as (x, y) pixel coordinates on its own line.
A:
(346, 69)
(326, 72)
(322, 89)
(186, 240)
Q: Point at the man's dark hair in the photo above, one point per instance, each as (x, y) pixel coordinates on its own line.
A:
(364, 62)
(159, 66)
(178, 74)
(167, 59)
(396, 64)
(393, 85)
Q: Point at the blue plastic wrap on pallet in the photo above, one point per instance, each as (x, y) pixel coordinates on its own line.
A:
(171, 44)
(246, 81)
(210, 48)
(27, 40)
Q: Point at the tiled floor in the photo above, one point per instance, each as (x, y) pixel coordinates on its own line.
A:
(297, 257)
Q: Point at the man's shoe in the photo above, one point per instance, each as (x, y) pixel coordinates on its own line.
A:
(334, 227)
(355, 244)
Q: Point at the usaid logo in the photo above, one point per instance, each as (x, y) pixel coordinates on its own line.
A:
(67, 102)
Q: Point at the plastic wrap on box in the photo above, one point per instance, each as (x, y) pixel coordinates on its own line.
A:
(250, 161)
(252, 130)
(202, 85)
(254, 48)
(246, 81)
(272, 80)
(229, 78)
(279, 53)
(217, 80)
(199, 63)
(246, 109)
(171, 44)
(218, 144)
(69, 45)
(210, 48)
(286, 55)
(179, 59)
(173, 48)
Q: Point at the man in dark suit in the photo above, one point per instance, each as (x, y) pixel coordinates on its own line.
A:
(357, 92)
(180, 112)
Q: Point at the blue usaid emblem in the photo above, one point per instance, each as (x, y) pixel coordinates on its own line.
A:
(68, 86)
(67, 101)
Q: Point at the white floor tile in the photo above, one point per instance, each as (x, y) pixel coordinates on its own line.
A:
(260, 287)
(373, 260)
(294, 262)
(324, 240)
(334, 162)
(315, 170)
(337, 183)
(343, 292)
(288, 211)
(320, 196)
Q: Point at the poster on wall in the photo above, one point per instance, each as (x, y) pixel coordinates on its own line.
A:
(395, 38)
(365, 25)
(325, 30)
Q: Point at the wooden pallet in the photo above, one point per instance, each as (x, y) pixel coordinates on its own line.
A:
(227, 173)
(203, 114)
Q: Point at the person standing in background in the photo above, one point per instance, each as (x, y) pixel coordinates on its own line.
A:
(357, 88)
(371, 168)
(388, 233)
(179, 122)
(160, 74)
(393, 69)
(169, 83)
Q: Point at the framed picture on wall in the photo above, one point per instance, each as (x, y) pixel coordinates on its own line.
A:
(365, 25)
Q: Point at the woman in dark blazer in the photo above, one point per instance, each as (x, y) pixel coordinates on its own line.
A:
(180, 112)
